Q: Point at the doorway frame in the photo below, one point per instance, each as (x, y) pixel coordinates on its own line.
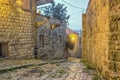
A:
(4, 46)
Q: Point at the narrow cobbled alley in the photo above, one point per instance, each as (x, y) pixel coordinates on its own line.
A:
(59, 39)
(72, 69)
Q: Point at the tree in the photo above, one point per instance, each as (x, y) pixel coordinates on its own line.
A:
(57, 11)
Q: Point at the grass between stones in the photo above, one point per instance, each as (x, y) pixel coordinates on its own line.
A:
(59, 73)
(88, 65)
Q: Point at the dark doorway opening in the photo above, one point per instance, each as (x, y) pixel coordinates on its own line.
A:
(0, 50)
(3, 49)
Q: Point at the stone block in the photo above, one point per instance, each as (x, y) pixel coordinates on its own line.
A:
(112, 66)
(114, 36)
(118, 66)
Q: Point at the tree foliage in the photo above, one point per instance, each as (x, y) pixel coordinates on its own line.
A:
(57, 11)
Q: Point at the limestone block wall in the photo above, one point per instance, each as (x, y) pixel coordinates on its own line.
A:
(80, 47)
(101, 36)
(97, 18)
(17, 30)
(114, 40)
(84, 38)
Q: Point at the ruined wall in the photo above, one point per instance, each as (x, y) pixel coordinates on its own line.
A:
(16, 30)
(43, 52)
(101, 36)
(54, 40)
(59, 41)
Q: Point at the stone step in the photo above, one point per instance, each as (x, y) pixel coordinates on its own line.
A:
(14, 67)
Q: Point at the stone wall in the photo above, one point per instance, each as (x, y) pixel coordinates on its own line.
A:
(16, 30)
(54, 39)
(114, 40)
(84, 37)
(59, 41)
(101, 36)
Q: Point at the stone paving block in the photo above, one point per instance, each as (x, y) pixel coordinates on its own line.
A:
(33, 72)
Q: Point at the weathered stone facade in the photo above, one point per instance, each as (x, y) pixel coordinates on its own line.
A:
(75, 52)
(101, 37)
(75, 39)
(16, 30)
(51, 42)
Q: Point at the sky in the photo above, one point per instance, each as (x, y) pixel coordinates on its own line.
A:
(75, 12)
(75, 9)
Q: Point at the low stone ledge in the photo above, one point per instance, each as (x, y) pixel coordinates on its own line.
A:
(11, 68)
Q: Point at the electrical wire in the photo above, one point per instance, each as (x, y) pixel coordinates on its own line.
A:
(73, 23)
(73, 14)
(74, 6)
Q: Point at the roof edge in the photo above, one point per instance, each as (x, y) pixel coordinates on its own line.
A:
(88, 4)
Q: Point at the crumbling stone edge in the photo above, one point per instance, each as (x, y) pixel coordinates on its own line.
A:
(8, 69)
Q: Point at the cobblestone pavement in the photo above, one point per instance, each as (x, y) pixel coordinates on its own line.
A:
(69, 70)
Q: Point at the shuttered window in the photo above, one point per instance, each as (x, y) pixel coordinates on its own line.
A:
(26, 4)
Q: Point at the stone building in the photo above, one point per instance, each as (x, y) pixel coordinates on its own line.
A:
(101, 37)
(50, 40)
(17, 28)
(74, 37)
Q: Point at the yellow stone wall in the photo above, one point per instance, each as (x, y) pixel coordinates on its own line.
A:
(114, 43)
(101, 36)
(84, 38)
(17, 30)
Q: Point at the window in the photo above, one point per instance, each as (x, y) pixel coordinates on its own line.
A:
(60, 37)
(41, 38)
(5, 1)
(26, 4)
